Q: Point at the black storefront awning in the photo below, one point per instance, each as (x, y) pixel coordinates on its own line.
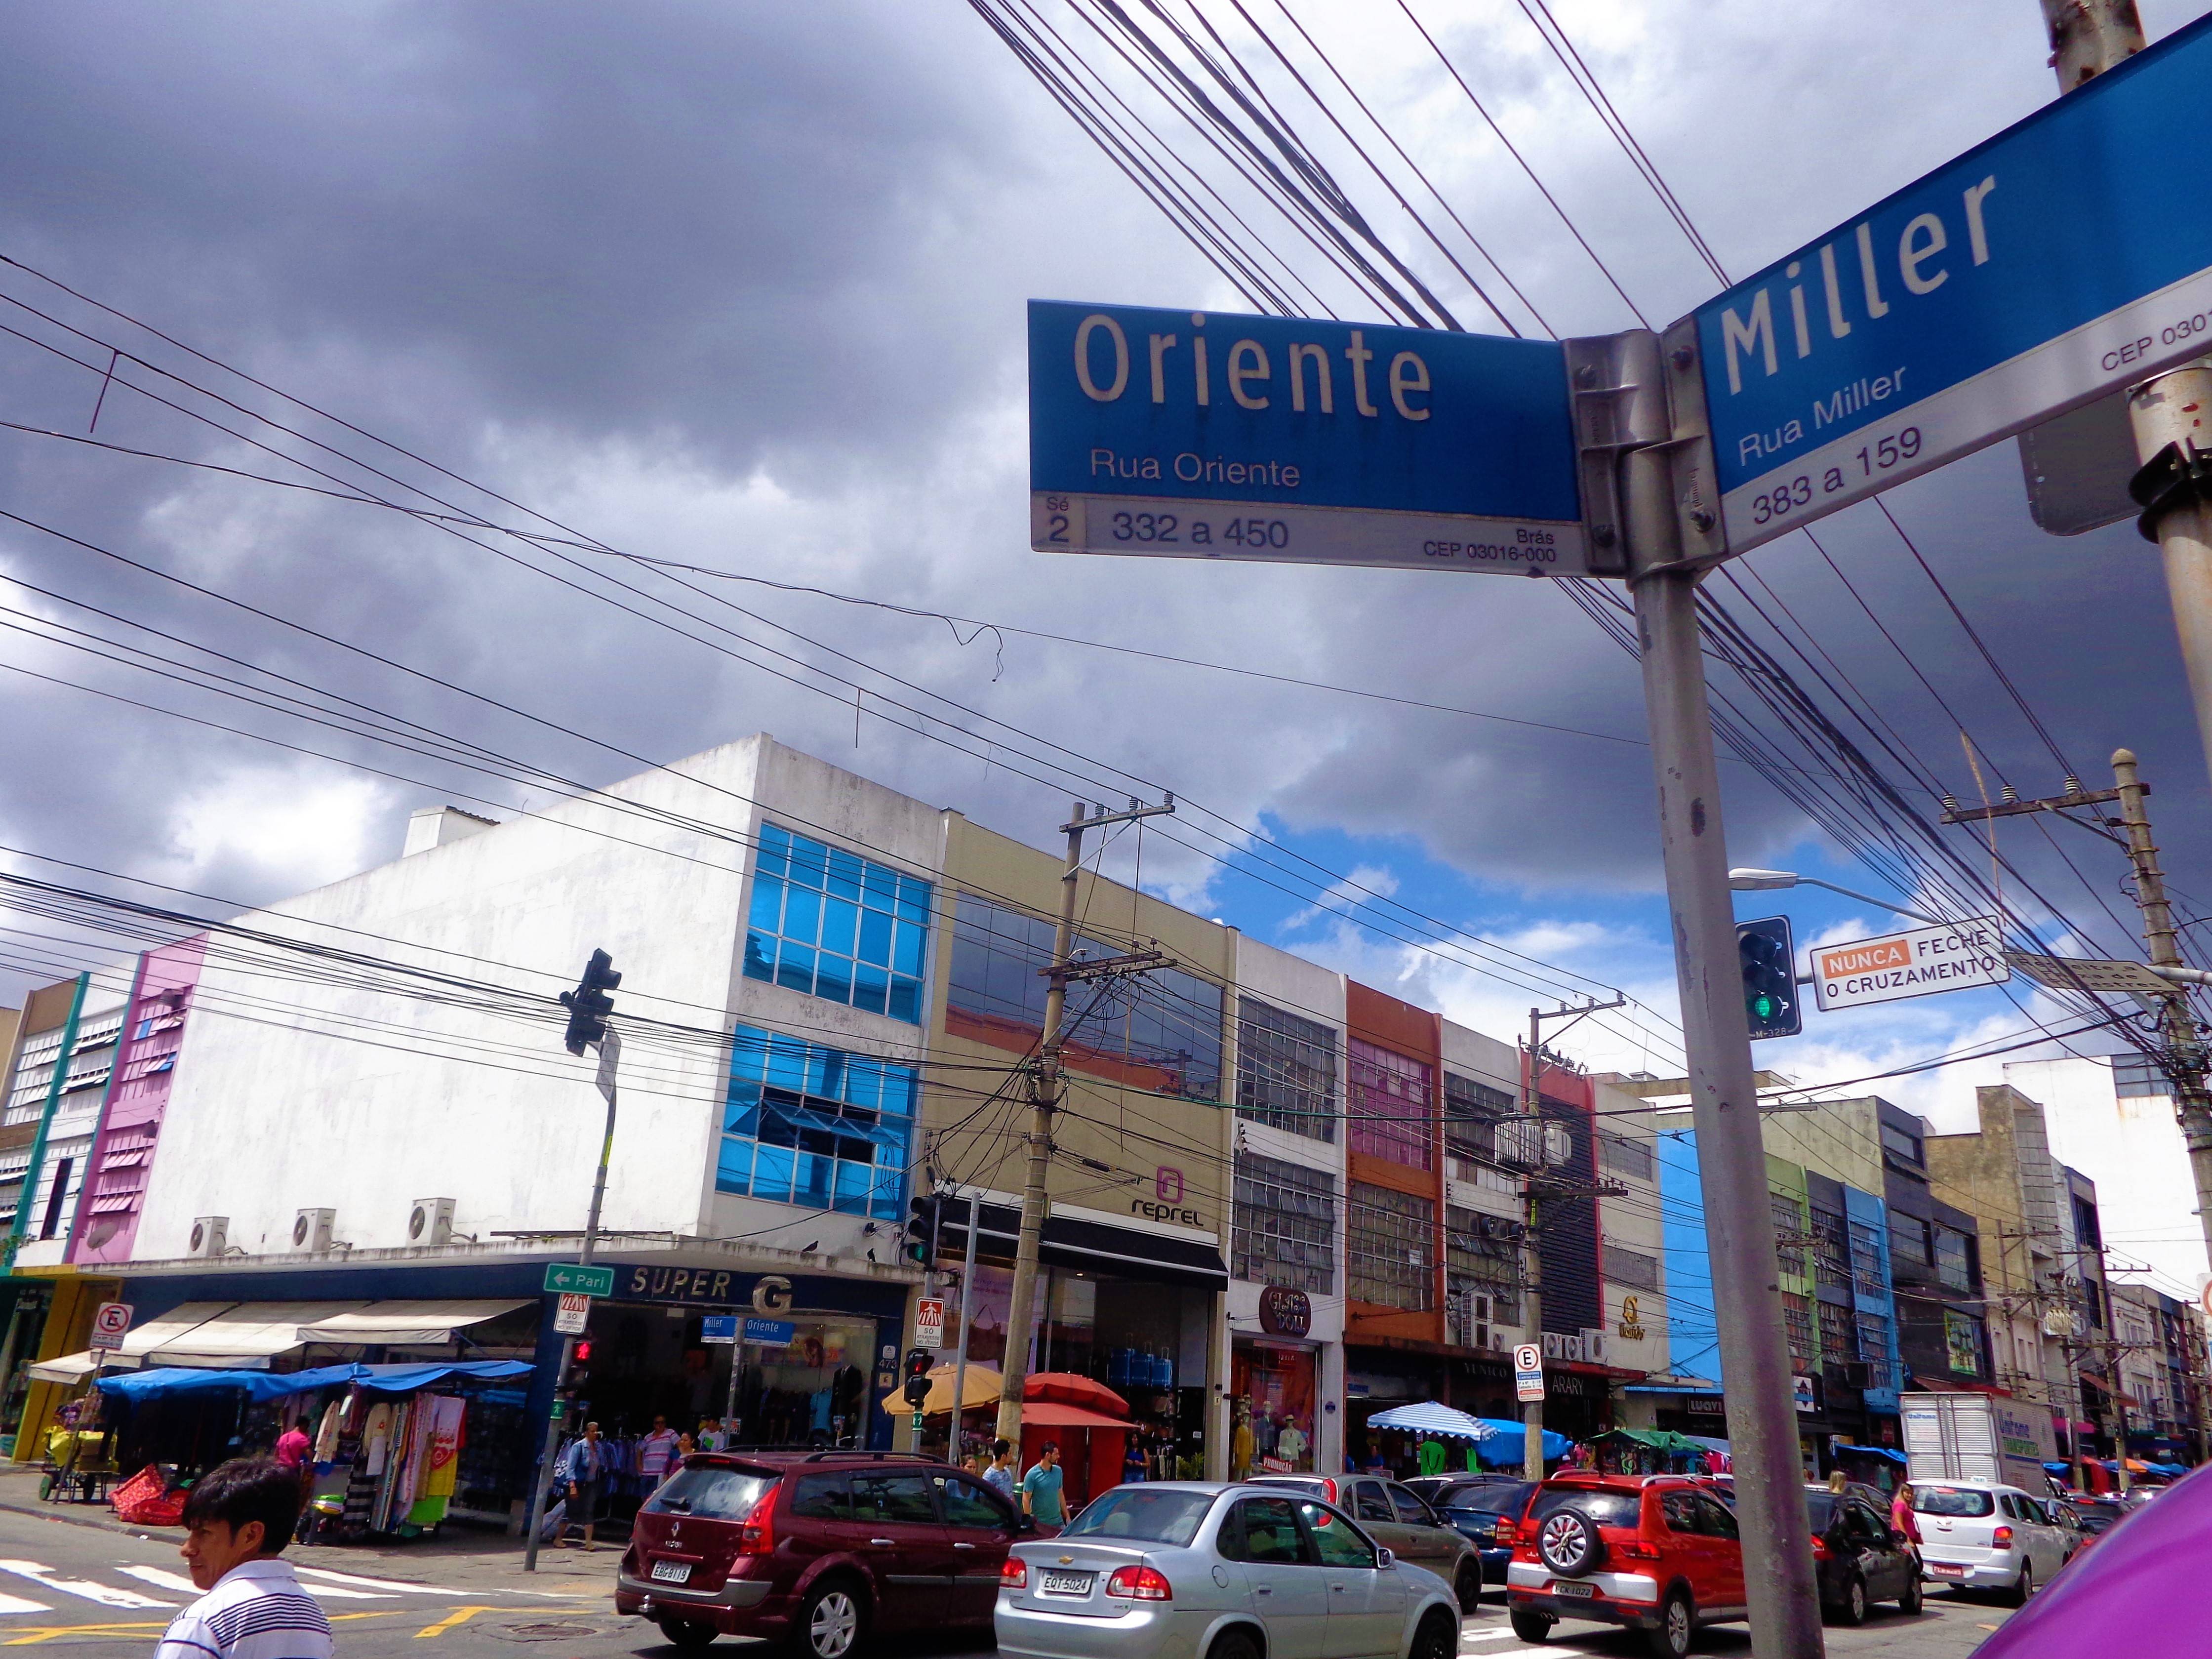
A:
(1085, 1243)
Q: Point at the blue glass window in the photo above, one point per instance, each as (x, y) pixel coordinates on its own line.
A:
(805, 1124)
(830, 924)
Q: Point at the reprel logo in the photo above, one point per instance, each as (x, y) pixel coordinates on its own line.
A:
(1168, 1184)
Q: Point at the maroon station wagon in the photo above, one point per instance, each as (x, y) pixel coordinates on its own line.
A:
(819, 1549)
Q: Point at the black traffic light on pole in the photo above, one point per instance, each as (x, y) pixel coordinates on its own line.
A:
(920, 1244)
(589, 1004)
(1769, 954)
(917, 1376)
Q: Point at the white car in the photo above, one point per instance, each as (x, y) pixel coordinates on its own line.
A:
(1977, 1534)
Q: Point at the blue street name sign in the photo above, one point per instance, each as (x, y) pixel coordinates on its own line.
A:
(775, 1332)
(1207, 435)
(2061, 258)
(719, 1327)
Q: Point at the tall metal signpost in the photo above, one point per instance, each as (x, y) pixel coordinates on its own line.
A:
(2043, 269)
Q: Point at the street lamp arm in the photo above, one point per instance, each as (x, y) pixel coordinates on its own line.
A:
(1869, 898)
(1759, 881)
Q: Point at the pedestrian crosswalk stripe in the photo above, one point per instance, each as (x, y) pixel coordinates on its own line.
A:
(16, 1604)
(43, 1576)
(162, 1578)
(306, 1572)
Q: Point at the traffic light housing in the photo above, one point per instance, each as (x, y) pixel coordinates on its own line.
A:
(1769, 956)
(919, 1246)
(917, 1376)
(589, 1004)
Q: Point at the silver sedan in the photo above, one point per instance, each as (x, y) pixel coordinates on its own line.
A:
(1189, 1571)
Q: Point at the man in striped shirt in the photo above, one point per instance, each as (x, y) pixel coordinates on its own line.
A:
(237, 1519)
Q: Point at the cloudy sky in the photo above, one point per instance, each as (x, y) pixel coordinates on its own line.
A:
(741, 285)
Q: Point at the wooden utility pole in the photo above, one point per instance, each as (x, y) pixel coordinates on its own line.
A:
(1045, 1087)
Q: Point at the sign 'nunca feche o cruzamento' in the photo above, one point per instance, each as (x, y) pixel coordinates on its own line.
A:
(1209, 436)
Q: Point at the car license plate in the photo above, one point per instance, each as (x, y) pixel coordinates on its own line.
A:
(1570, 1587)
(1946, 1570)
(672, 1572)
(1066, 1583)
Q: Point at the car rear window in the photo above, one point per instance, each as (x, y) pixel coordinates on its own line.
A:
(1821, 1509)
(711, 1493)
(1155, 1517)
(1607, 1508)
(1952, 1500)
(1490, 1497)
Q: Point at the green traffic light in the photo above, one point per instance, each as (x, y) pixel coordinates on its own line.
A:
(1764, 1007)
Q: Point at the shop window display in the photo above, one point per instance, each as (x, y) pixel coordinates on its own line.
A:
(1272, 1391)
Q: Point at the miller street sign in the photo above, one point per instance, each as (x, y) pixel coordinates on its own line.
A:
(1209, 435)
(567, 1276)
(2042, 269)
(719, 1327)
(1917, 962)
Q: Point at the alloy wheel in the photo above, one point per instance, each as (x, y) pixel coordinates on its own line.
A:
(834, 1623)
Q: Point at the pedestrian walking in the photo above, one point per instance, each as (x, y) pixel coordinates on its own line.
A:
(1000, 1474)
(237, 1519)
(584, 1467)
(656, 1452)
(1902, 1519)
(292, 1446)
(1040, 1490)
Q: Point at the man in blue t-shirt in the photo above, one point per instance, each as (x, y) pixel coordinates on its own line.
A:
(1041, 1488)
(1001, 1474)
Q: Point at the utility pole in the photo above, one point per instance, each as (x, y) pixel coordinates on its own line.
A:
(588, 1007)
(1781, 1591)
(967, 1302)
(2181, 1048)
(1044, 1101)
(1533, 1192)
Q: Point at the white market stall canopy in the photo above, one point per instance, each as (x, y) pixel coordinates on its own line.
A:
(406, 1323)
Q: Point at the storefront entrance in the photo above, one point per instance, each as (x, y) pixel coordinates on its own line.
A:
(1272, 1392)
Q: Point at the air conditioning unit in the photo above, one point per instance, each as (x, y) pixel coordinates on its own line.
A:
(430, 1221)
(210, 1235)
(312, 1229)
(1501, 1339)
(1592, 1346)
(1559, 1346)
(1853, 1373)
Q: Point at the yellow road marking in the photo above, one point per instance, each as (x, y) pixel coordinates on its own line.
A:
(458, 1616)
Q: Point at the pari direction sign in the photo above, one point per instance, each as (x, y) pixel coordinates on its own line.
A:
(566, 1277)
(1915, 964)
(1209, 435)
(2052, 264)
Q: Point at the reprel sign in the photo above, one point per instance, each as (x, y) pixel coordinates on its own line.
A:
(1205, 435)
(2050, 265)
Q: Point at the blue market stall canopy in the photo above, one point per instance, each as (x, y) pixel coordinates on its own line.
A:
(277, 1385)
(1426, 1417)
(1504, 1450)
(1890, 1452)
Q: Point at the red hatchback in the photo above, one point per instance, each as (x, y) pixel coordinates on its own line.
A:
(817, 1549)
(1655, 1553)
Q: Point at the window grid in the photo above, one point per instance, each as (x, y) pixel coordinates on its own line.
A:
(1902, 1142)
(1789, 1230)
(1282, 1228)
(1832, 1263)
(1954, 1265)
(1797, 1319)
(809, 1125)
(1873, 1349)
(2136, 1075)
(1286, 1071)
(1392, 1261)
(1625, 1154)
(1472, 1110)
(1835, 1334)
(827, 923)
(1389, 1105)
(1866, 1260)
(1633, 1268)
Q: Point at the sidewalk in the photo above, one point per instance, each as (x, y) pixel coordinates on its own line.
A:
(460, 1558)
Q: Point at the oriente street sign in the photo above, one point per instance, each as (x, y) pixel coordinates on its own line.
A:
(1208, 435)
(2056, 261)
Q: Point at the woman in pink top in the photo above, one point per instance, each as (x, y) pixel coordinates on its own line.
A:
(292, 1447)
(1902, 1519)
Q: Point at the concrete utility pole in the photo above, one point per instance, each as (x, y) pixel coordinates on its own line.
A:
(2182, 1052)
(2088, 37)
(1782, 1592)
(1044, 1098)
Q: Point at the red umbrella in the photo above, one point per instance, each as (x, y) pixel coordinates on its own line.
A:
(1069, 1389)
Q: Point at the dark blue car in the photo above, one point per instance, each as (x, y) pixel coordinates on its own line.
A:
(1475, 1505)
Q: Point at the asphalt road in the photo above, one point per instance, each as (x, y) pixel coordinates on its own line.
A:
(110, 1592)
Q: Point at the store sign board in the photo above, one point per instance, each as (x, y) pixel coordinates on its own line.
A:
(566, 1278)
(1286, 1310)
(1209, 436)
(1803, 1395)
(1917, 962)
(929, 1323)
(573, 1315)
(2035, 273)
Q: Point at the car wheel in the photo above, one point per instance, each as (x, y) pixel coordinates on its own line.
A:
(1914, 1598)
(1437, 1638)
(831, 1622)
(1853, 1608)
(1468, 1587)
(2026, 1587)
(1530, 1626)
(1670, 1638)
(687, 1633)
(1234, 1644)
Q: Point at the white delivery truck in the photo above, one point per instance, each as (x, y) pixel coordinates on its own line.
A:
(1978, 1437)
